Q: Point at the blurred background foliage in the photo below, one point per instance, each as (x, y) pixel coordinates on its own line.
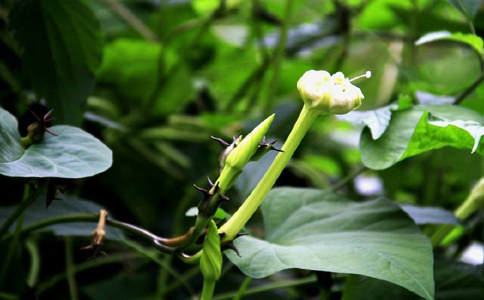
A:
(175, 72)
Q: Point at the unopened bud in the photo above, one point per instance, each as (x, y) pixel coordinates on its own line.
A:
(241, 155)
(211, 260)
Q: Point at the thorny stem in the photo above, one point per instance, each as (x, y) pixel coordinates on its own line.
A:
(243, 214)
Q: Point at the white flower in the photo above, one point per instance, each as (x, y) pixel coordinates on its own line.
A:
(330, 94)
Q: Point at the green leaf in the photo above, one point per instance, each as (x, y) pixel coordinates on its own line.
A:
(470, 39)
(70, 205)
(73, 153)
(62, 48)
(468, 7)
(430, 215)
(420, 129)
(318, 230)
(453, 281)
(134, 75)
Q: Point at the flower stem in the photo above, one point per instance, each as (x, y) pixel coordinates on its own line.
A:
(208, 288)
(243, 214)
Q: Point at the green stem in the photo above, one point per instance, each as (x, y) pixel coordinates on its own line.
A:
(243, 214)
(281, 46)
(348, 179)
(154, 257)
(269, 287)
(23, 206)
(186, 277)
(243, 288)
(473, 202)
(71, 274)
(350, 285)
(469, 90)
(208, 288)
(16, 237)
(34, 270)
(113, 258)
(7, 296)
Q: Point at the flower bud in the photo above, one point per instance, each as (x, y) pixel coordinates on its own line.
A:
(330, 94)
(244, 151)
(211, 260)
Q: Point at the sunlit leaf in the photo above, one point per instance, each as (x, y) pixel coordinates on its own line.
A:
(420, 129)
(318, 230)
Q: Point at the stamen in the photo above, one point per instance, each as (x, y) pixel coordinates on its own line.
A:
(367, 75)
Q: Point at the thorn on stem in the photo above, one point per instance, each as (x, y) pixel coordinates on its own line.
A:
(221, 141)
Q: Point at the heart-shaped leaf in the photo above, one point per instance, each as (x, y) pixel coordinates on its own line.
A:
(420, 129)
(73, 153)
(318, 230)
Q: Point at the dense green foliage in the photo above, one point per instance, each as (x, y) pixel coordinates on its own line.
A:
(384, 202)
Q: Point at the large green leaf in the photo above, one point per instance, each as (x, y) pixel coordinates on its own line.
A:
(70, 205)
(319, 230)
(62, 48)
(453, 281)
(469, 39)
(73, 153)
(420, 129)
